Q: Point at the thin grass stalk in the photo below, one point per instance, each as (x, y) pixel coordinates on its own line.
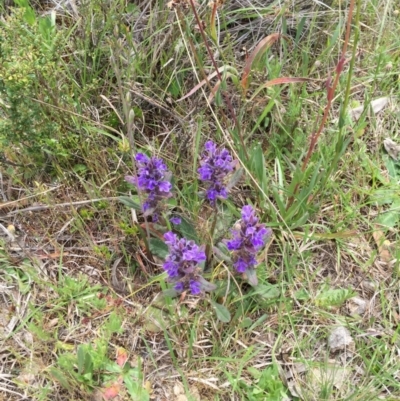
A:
(224, 94)
(331, 89)
(347, 92)
(129, 117)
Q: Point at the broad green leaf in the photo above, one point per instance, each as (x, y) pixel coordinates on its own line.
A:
(257, 166)
(206, 285)
(81, 359)
(235, 178)
(225, 220)
(302, 295)
(135, 389)
(245, 323)
(389, 219)
(393, 167)
(29, 16)
(113, 324)
(158, 248)
(60, 377)
(128, 201)
(267, 291)
(258, 322)
(112, 367)
(221, 254)
(256, 373)
(333, 297)
(154, 320)
(383, 196)
(187, 230)
(222, 312)
(251, 276)
(170, 292)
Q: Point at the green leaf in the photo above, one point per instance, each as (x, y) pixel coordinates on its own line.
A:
(81, 359)
(22, 3)
(225, 220)
(257, 166)
(158, 248)
(47, 30)
(170, 293)
(29, 14)
(393, 167)
(205, 285)
(221, 252)
(235, 178)
(383, 196)
(222, 312)
(256, 373)
(113, 324)
(245, 323)
(333, 297)
(187, 230)
(112, 367)
(155, 320)
(251, 276)
(302, 295)
(267, 291)
(258, 322)
(128, 201)
(389, 219)
(60, 377)
(135, 389)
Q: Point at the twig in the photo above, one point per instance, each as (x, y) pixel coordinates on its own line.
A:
(8, 204)
(45, 207)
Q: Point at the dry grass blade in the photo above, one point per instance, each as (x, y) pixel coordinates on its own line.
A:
(204, 81)
(264, 44)
(280, 81)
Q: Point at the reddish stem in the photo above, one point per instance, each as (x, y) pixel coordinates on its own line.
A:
(226, 97)
(331, 89)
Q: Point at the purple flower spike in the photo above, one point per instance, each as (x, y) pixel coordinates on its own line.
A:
(175, 220)
(182, 264)
(215, 165)
(195, 287)
(154, 180)
(249, 236)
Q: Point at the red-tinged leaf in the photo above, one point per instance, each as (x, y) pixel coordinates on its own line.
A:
(262, 46)
(122, 357)
(111, 392)
(280, 81)
(217, 85)
(204, 81)
(214, 91)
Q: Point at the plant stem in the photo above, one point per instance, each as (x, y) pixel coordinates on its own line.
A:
(209, 246)
(331, 89)
(225, 95)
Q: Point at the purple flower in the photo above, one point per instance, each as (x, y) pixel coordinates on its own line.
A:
(175, 220)
(182, 264)
(248, 237)
(153, 179)
(215, 165)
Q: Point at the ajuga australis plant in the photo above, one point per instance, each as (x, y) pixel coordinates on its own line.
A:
(248, 237)
(182, 265)
(153, 179)
(215, 165)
